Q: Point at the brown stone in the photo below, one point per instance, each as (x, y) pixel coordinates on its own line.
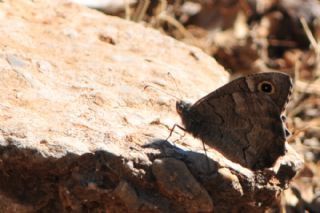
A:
(81, 92)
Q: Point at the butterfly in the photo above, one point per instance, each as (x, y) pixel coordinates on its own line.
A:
(243, 119)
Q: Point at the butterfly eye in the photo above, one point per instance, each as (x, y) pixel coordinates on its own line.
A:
(266, 87)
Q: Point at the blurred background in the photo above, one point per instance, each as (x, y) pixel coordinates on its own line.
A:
(250, 36)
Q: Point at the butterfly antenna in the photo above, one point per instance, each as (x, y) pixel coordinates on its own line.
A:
(177, 98)
(175, 83)
(159, 89)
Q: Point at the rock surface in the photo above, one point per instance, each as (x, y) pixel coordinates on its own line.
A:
(72, 79)
(83, 95)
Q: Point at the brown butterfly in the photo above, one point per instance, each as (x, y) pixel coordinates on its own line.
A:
(242, 119)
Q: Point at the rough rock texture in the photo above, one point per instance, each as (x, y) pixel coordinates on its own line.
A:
(86, 101)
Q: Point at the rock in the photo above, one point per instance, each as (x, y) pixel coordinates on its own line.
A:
(77, 118)
(72, 83)
(177, 183)
(108, 6)
(78, 92)
(128, 195)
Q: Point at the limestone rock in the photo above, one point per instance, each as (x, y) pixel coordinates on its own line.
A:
(83, 95)
(72, 79)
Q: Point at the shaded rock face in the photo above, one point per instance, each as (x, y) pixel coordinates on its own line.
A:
(81, 94)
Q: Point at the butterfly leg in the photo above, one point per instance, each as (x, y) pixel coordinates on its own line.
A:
(172, 129)
(207, 158)
(184, 129)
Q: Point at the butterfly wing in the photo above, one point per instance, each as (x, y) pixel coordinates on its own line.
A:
(240, 122)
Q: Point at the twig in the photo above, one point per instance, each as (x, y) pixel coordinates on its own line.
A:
(127, 10)
(141, 10)
(310, 36)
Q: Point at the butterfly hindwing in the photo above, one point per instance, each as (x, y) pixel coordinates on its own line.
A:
(242, 119)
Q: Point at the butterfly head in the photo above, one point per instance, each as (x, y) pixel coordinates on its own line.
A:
(184, 110)
(182, 107)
